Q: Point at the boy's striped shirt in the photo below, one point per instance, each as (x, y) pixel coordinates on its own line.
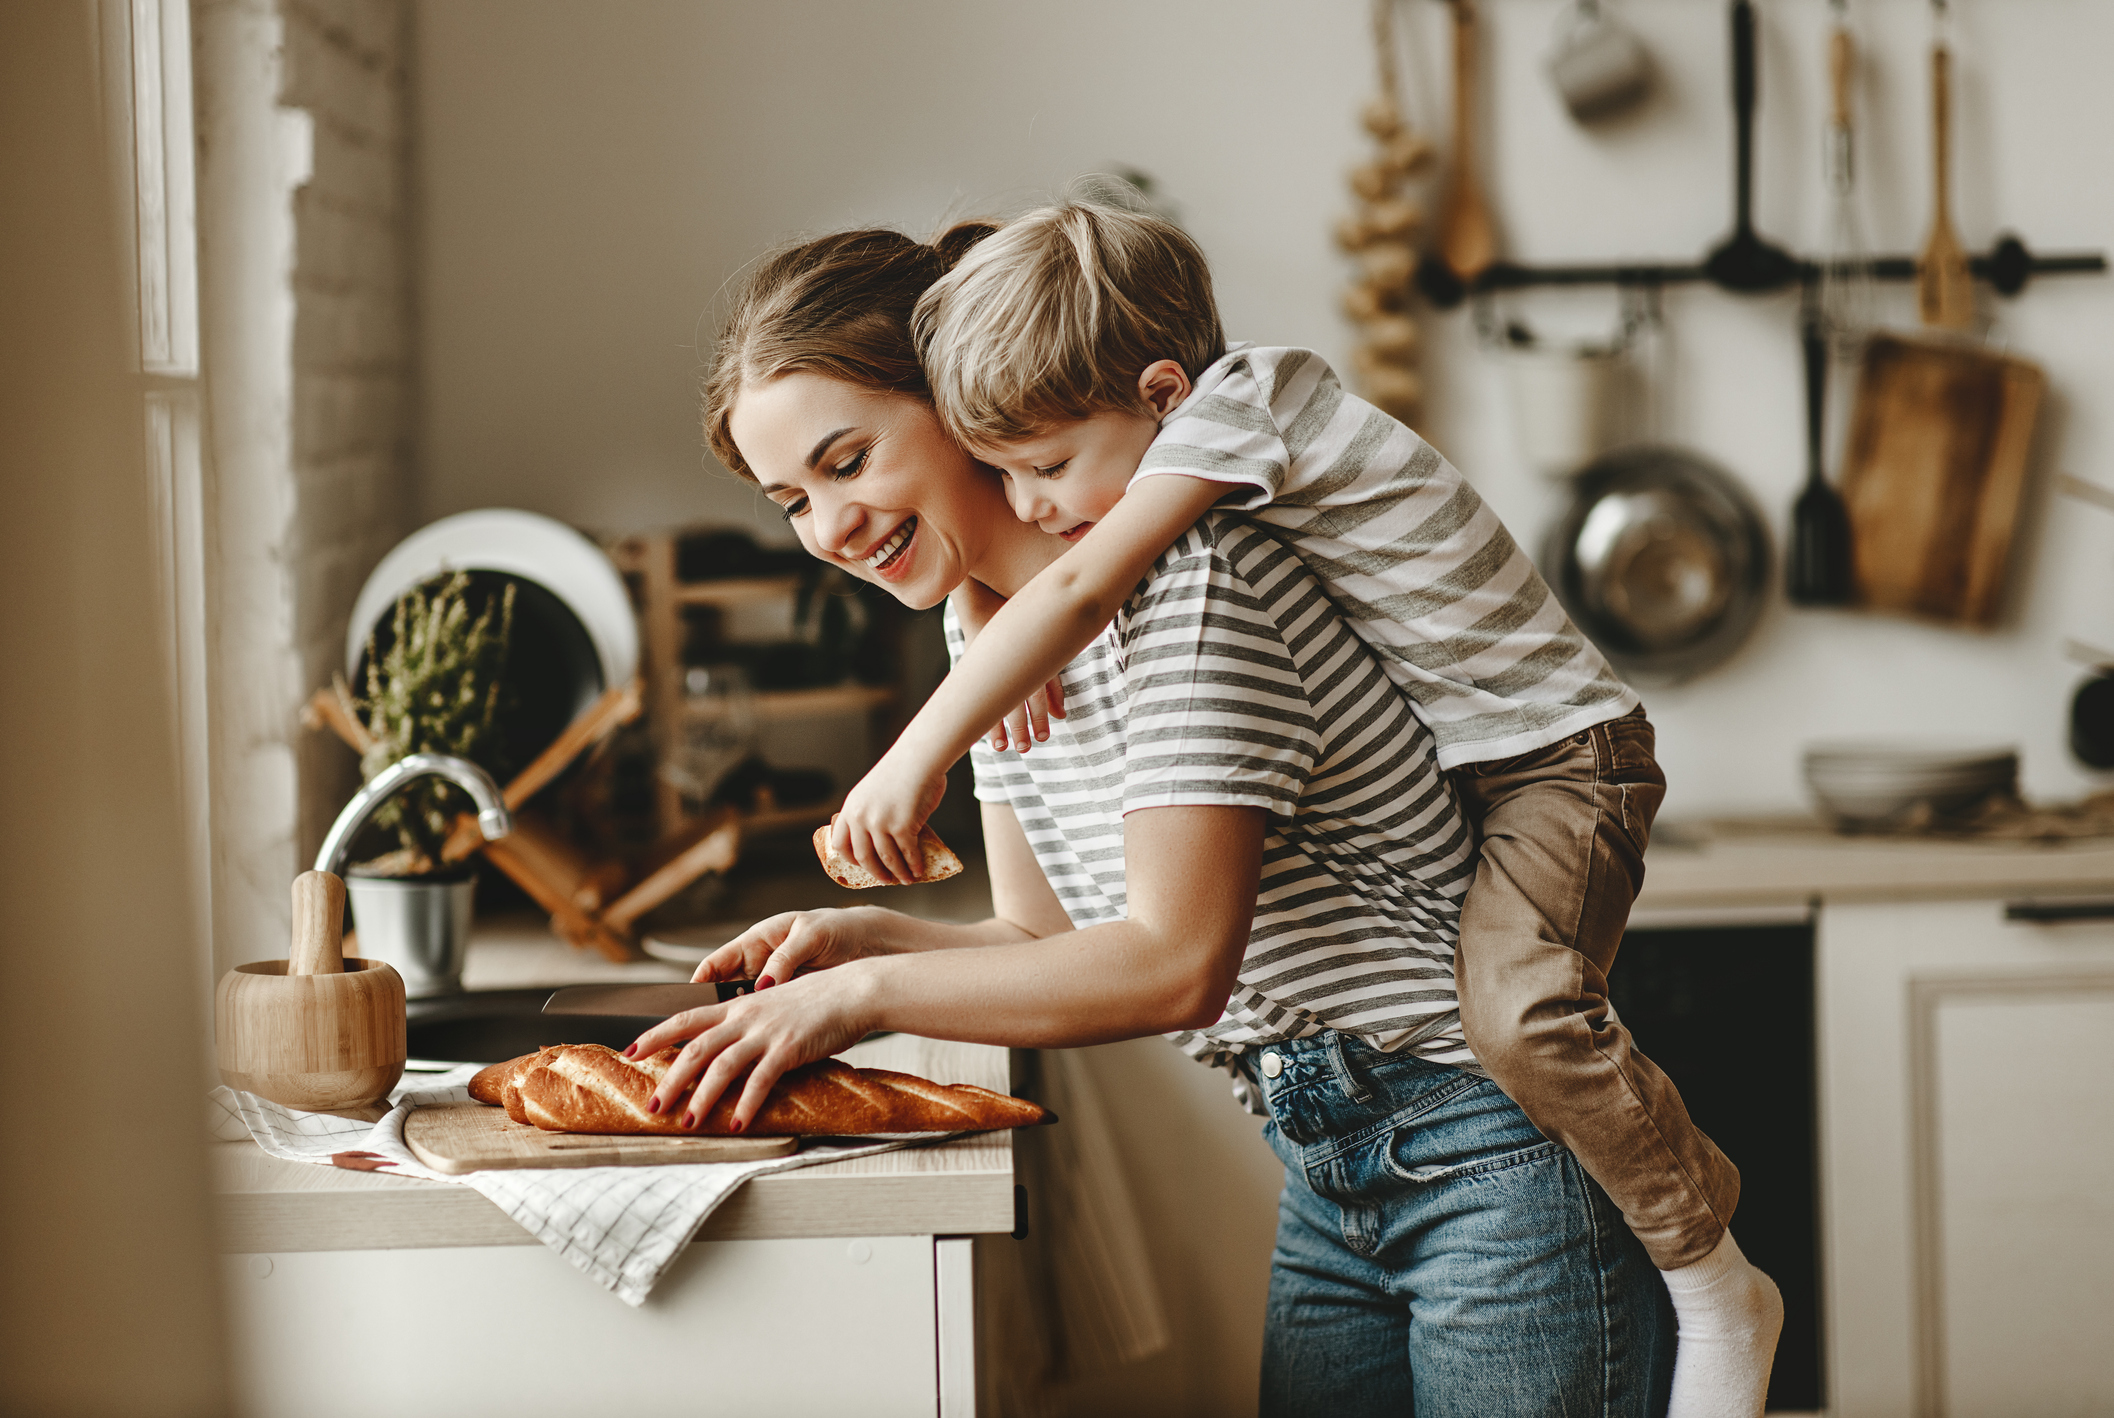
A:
(1424, 570)
(1230, 679)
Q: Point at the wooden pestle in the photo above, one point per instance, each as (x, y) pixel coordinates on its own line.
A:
(319, 924)
(316, 1031)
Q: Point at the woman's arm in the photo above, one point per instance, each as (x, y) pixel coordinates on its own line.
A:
(775, 950)
(1190, 879)
(1033, 636)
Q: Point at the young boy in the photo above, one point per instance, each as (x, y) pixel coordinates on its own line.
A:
(1078, 351)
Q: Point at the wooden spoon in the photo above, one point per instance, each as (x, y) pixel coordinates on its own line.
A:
(1945, 292)
(1467, 236)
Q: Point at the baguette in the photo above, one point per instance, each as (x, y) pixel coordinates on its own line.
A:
(489, 1086)
(939, 864)
(592, 1089)
(499, 1085)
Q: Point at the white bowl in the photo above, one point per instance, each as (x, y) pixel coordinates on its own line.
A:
(1871, 785)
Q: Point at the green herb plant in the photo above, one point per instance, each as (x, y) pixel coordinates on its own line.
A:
(439, 688)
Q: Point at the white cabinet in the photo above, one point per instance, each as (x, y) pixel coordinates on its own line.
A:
(875, 1325)
(1967, 1128)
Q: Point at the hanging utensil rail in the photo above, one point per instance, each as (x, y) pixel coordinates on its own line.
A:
(2007, 267)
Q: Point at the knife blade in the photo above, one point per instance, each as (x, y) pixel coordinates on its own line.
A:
(641, 1001)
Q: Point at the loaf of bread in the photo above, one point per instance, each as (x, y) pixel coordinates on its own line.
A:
(588, 1088)
(489, 1086)
(939, 864)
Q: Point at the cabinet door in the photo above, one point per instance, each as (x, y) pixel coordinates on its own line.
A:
(798, 1328)
(1967, 1122)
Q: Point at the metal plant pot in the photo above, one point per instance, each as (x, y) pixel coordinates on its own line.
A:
(420, 927)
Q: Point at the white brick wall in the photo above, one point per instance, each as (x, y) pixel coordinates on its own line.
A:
(304, 170)
(345, 65)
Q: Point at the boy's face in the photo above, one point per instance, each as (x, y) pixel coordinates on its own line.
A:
(1067, 478)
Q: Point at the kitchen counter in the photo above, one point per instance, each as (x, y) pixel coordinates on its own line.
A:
(1787, 863)
(955, 1188)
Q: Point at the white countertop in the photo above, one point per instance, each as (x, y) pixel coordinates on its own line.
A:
(954, 1188)
(1792, 861)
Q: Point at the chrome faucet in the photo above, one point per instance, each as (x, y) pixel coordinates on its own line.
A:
(493, 819)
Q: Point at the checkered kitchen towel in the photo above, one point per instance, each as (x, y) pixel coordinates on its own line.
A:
(620, 1225)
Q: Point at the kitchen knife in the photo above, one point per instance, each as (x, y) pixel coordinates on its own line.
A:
(641, 1001)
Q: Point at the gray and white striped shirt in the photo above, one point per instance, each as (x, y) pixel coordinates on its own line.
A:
(1230, 679)
(1424, 570)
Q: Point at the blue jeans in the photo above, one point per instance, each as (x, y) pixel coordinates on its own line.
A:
(1438, 1256)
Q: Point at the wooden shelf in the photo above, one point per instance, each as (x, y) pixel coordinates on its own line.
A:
(821, 703)
(734, 592)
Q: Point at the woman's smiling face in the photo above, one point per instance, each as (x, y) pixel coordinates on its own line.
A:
(870, 481)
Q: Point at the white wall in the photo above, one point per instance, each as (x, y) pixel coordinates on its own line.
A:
(590, 175)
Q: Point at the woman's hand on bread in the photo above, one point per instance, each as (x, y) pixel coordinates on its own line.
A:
(752, 1042)
(773, 951)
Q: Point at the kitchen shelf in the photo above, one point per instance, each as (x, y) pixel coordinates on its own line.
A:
(741, 592)
(822, 703)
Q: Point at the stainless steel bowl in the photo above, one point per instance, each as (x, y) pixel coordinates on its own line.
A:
(1663, 559)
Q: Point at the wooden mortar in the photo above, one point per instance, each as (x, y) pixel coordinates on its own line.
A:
(315, 1031)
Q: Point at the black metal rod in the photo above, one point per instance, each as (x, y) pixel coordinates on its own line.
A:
(2006, 267)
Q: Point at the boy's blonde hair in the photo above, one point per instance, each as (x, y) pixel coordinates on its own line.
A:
(1055, 315)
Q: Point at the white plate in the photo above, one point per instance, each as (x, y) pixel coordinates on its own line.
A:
(523, 544)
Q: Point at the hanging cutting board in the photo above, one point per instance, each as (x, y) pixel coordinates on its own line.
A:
(471, 1137)
(1933, 475)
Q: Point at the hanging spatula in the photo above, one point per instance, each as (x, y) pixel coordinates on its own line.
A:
(1817, 571)
(1467, 234)
(1945, 292)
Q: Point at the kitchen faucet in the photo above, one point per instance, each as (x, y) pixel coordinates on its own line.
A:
(493, 819)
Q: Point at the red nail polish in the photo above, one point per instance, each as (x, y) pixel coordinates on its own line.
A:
(764, 982)
(653, 1105)
(628, 1048)
(736, 1126)
(690, 1122)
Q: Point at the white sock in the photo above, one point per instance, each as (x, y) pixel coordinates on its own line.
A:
(1729, 1315)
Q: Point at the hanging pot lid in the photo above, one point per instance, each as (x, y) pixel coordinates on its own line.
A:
(533, 548)
(1663, 560)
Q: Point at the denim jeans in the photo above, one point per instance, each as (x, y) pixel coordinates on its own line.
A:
(1437, 1256)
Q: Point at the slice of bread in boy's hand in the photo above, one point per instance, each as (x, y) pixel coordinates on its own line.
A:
(939, 864)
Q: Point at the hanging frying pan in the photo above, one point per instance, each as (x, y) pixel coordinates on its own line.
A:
(1663, 560)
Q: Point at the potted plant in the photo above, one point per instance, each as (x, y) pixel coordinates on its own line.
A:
(439, 685)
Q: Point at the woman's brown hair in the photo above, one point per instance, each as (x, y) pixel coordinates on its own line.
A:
(838, 305)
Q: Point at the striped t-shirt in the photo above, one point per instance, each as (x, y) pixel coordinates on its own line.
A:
(1229, 679)
(1424, 570)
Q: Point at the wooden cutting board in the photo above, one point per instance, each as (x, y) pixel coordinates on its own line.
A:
(470, 1137)
(1933, 475)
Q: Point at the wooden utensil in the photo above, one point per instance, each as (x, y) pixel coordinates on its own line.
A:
(1467, 235)
(315, 1031)
(471, 1137)
(1933, 475)
(1945, 292)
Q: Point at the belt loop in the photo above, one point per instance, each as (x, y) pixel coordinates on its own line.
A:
(1353, 1087)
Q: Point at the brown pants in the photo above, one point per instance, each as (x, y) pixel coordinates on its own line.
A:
(1563, 834)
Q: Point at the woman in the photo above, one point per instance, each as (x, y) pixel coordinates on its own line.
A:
(1239, 837)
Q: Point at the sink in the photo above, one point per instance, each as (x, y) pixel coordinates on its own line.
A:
(485, 1026)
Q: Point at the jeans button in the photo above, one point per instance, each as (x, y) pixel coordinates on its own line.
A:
(1273, 1064)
